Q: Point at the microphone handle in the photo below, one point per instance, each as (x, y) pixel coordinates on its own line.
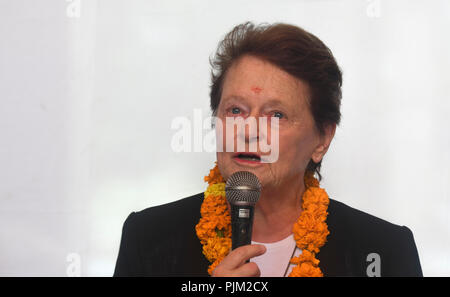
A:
(241, 225)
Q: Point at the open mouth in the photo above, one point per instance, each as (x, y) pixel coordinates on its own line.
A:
(248, 157)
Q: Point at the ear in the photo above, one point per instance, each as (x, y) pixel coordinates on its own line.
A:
(324, 143)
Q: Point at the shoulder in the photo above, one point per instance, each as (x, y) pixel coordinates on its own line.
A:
(161, 240)
(180, 207)
(363, 228)
(170, 215)
(362, 235)
(356, 219)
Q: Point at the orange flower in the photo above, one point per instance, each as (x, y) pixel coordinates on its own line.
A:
(214, 265)
(310, 230)
(214, 176)
(216, 248)
(306, 270)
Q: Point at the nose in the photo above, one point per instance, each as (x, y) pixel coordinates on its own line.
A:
(251, 128)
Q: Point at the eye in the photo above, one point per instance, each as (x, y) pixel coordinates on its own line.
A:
(278, 114)
(235, 110)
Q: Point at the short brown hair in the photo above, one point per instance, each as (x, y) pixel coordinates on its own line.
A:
(293, 50)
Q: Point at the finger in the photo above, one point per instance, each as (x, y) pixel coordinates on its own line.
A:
(237, 257)
(248, 270)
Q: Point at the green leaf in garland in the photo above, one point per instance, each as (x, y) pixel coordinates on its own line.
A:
(220, 233)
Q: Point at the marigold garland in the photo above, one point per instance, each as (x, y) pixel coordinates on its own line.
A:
(310, 230)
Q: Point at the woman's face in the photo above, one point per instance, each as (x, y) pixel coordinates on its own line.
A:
(255, 88)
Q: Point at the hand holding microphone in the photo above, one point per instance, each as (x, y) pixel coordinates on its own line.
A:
(235, 264)
(242, 191)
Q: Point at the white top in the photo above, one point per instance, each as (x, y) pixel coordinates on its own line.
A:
(277, 256)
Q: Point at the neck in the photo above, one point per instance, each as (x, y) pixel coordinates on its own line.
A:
(277, 210)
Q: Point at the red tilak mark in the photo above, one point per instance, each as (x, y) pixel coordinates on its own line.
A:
(257, 90)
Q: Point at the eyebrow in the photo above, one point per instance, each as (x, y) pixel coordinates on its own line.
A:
(234, 98)
(275, 102)
(270, 102)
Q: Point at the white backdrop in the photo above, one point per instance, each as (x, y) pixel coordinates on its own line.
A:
(89, 89)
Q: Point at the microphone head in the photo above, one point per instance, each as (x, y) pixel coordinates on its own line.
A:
(243, 187)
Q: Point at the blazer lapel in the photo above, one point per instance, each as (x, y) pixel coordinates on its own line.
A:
(334, 256)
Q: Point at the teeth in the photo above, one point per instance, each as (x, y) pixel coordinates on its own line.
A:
(247, 157)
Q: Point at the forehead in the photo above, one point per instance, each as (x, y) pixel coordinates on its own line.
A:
(254, 78)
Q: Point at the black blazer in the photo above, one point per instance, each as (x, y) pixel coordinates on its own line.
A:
(161, 241)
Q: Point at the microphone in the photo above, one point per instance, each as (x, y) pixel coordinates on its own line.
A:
(242, 191)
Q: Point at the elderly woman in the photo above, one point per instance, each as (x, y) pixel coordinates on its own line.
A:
(273, 71)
